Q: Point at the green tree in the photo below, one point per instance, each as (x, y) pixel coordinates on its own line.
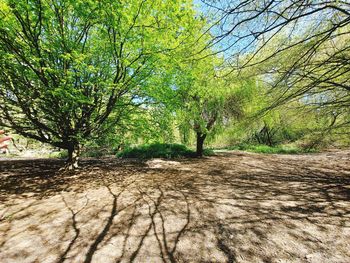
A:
(208, 102)
(65, 66)
(300, 47)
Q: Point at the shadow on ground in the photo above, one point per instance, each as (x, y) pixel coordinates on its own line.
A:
(235, 207)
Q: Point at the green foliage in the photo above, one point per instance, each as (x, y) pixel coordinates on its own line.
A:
(280, 149)
(60, 155)
(98, 76)
(67, 67)
(157, 150)
(95, 152)
(208, 152)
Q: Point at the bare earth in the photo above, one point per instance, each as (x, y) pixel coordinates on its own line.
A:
(234, 207)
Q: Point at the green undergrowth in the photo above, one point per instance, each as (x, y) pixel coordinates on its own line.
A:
(278, 149)
(60, 155)
(160, 150)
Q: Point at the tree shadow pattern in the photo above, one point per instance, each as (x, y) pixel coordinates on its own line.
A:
(235, 207)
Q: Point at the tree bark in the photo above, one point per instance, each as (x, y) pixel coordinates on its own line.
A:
(200, 142)
(73, 157)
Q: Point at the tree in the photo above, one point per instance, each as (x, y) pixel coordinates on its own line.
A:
(300, 47)
(249, 26)
(208, 102)
(66, 65)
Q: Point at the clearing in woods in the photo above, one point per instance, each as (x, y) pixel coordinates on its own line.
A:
(234, 207)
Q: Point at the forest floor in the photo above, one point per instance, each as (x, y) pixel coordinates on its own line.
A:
(233, 207)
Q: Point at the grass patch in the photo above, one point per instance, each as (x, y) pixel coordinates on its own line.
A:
(279, 149)
(60, 155)
(160, 150)
(157, 150)
(208, 152)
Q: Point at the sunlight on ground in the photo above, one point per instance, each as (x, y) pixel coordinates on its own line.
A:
(234, 207)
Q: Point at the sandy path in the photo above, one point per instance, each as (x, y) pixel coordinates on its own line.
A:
(235, 207)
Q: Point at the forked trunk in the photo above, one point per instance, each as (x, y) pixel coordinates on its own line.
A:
(200, 142)
(73, 157)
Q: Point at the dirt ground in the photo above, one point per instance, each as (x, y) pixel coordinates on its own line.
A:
(234, 207)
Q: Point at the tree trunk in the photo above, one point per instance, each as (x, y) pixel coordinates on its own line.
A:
(200, 141)
(73, 157)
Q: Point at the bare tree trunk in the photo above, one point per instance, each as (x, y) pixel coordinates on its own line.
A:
(200, 142)
(73, 157)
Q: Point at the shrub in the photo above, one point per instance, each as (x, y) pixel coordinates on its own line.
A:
(61, 155)
(157, 150)
(208, 152)
(96, 152)
(261, 148)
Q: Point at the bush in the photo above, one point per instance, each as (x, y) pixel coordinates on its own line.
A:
(61, 154)
(157, 150)
(276, 149)
(282, 149)
(96, 152)
(208, 152)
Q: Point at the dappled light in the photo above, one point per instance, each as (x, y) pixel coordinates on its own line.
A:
(234, 207)
(174, 131)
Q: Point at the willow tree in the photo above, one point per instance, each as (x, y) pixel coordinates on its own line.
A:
(208, 102)
(66, 65)
(300, 47)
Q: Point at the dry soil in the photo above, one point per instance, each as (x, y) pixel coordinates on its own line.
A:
(233, 207)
